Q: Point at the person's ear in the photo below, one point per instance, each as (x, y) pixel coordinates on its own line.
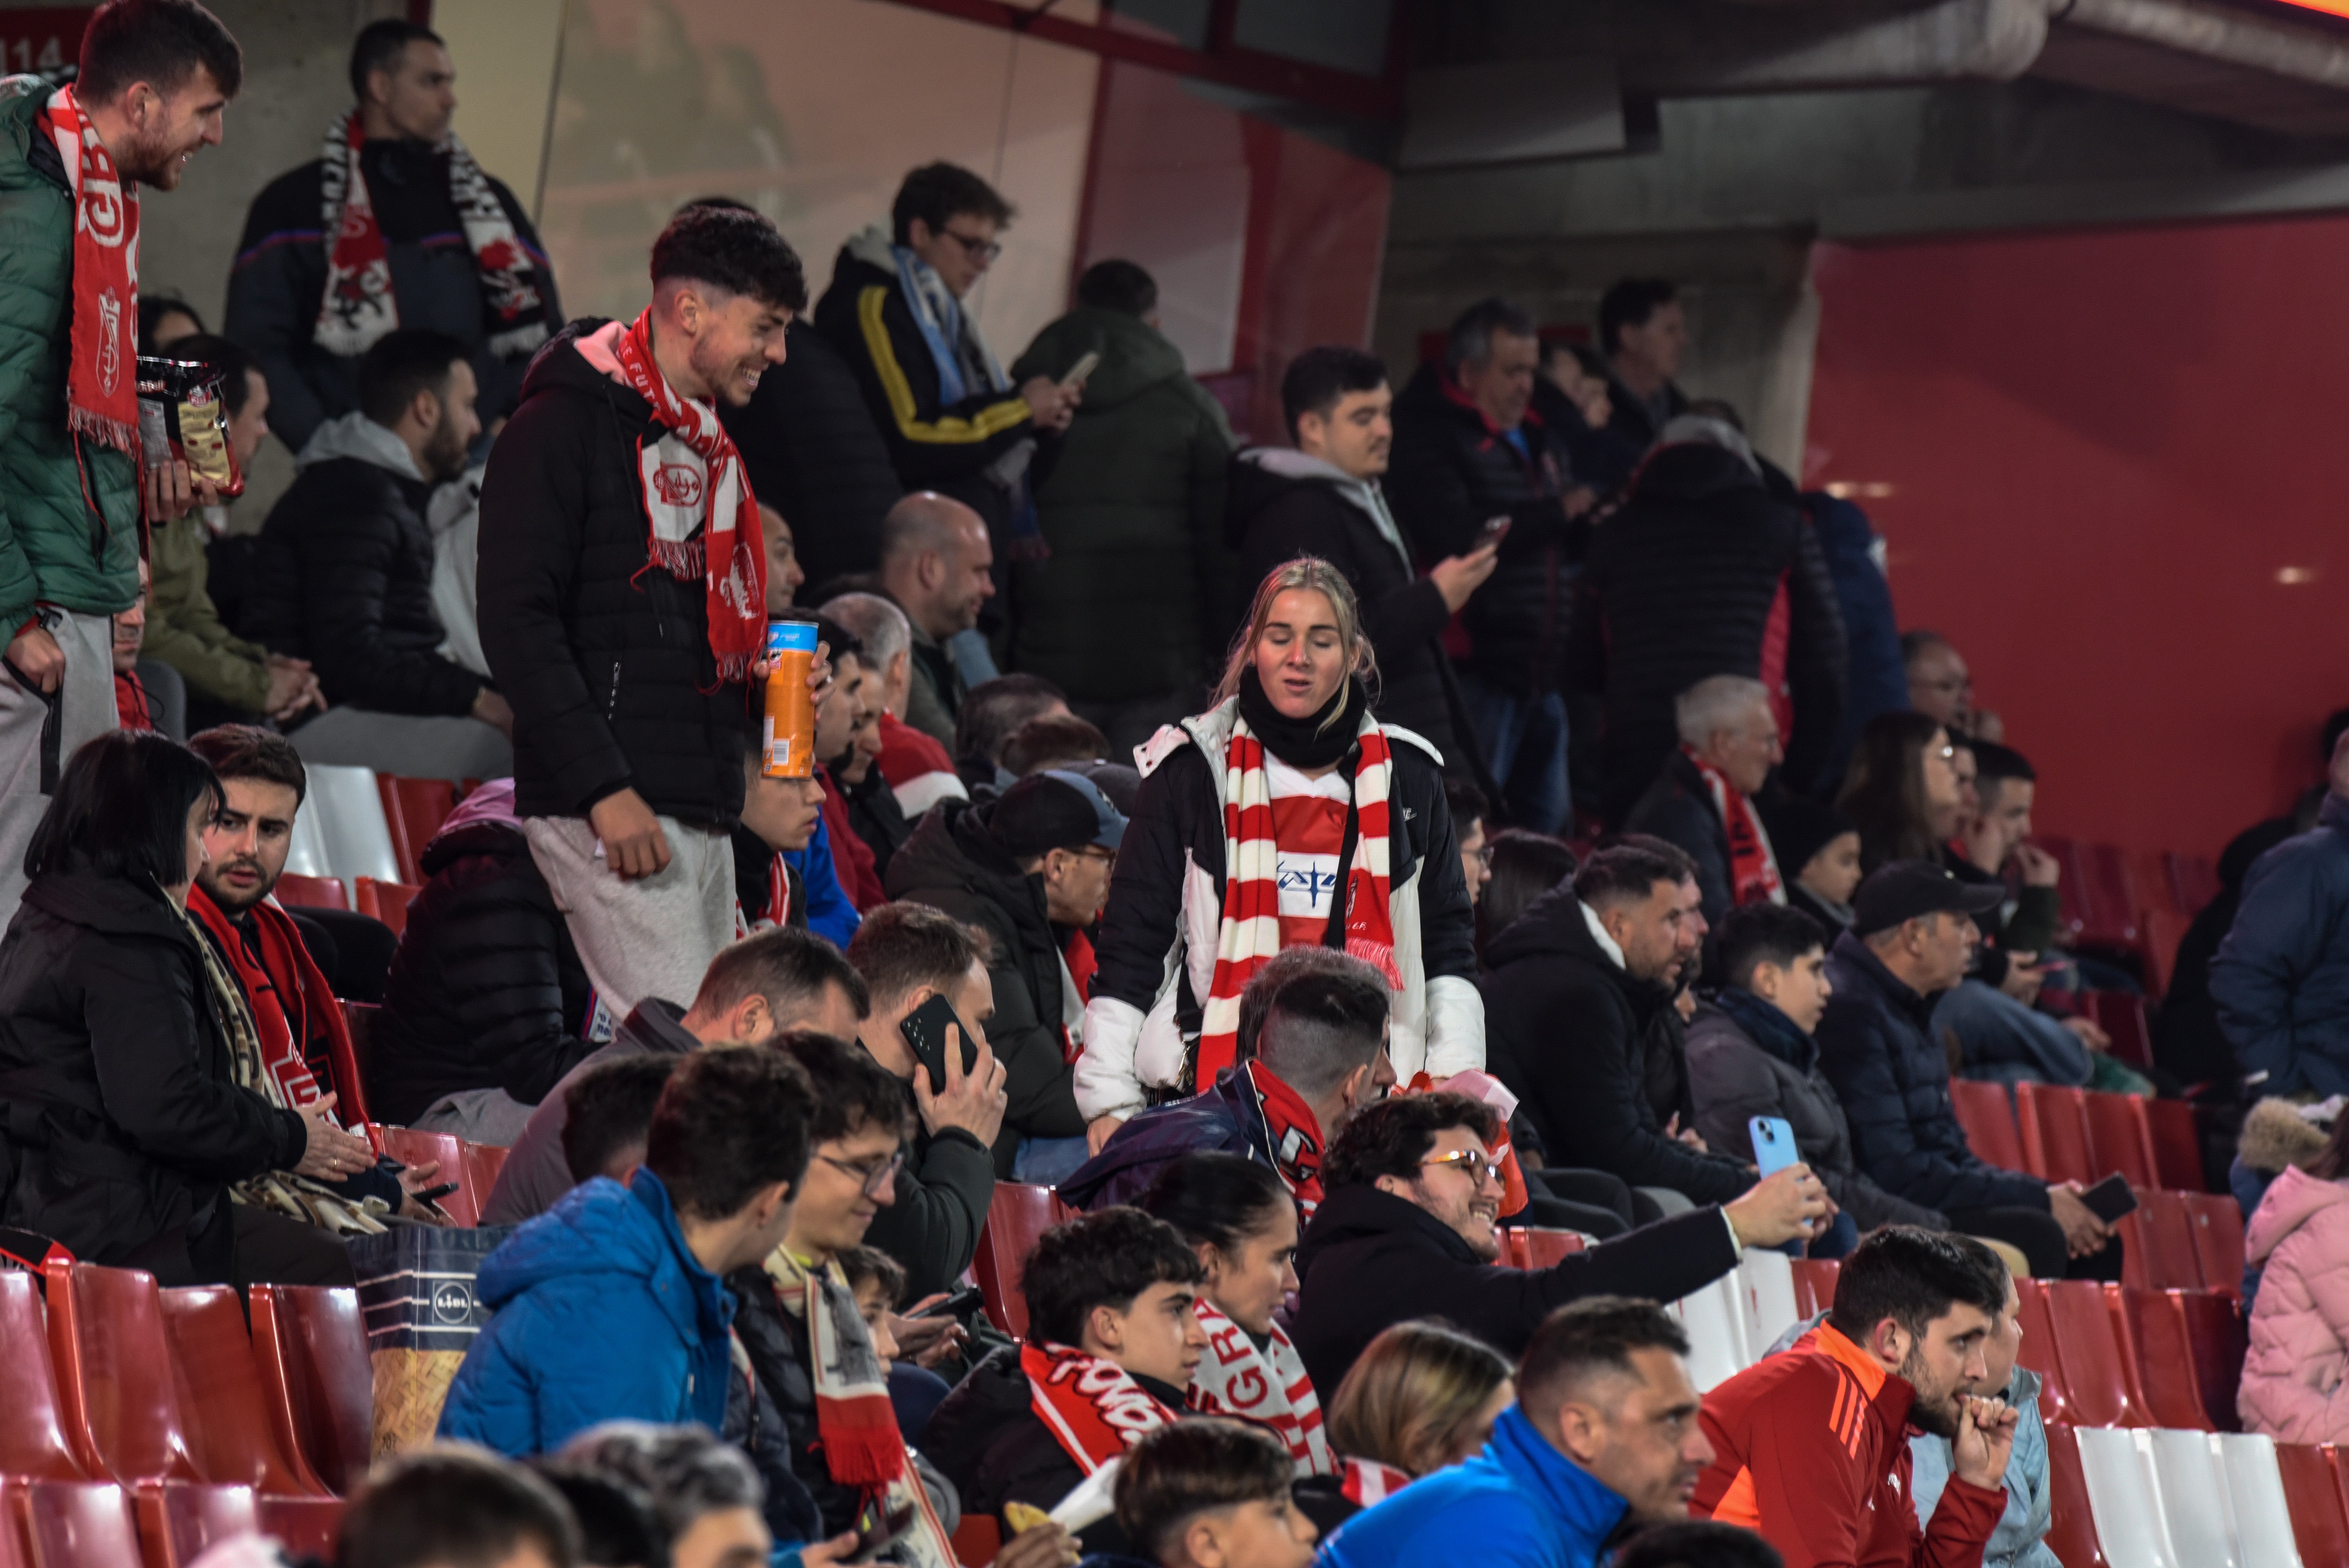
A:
(1890, 1341)
(1107, 1327)
(1203, 1542)
(752, 1020)
(1211, 1258)
(917, 234)
(1357, 1087)
(1580, 1431)
(1394, 1187)
(425, 409)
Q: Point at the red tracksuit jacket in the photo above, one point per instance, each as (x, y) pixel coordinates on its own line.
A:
(1811, 1449)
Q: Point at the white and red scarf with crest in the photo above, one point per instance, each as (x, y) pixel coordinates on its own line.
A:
(1753, 865)
(1090, 1405)
(1368, 1482)
(102, 377)
(1293, 1133)
(1266, 1385)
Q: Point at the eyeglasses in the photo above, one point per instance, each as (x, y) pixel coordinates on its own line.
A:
(1096, 852)
(1484, 856)
(979, 251)
(1470, 1162)
(871, 1178)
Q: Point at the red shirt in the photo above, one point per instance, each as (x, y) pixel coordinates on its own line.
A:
(917, 768)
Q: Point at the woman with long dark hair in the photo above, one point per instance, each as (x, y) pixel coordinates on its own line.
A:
(1901, 788)
(1524, 865)
(142, 1130)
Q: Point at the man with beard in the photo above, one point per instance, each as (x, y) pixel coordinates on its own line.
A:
(156, 77)
(1811, 1447)
(344, 574)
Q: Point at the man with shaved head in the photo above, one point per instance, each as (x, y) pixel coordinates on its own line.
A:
(936, 563)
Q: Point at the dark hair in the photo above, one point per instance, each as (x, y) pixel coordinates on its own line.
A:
(992, 709)
(1629, 302)
(1627, 873)
(160, 42)
(730, 1123)
(1597, 1333)
(1772, 933)
(1883, 789)
(1318, 379)
(400, 364)
(228, 360)
(870, 1265)
(1911, 1275)
(1697, 1543)
(789, 968)
(152, 309)
(686, 1472)
(1470, 341)
(121, 810)
(249, 751)
(1052, 741)
(854, 1093)
(1121, 286)
(609, 1110)
(1525, 865)
(1219, 1199)
(1105, 1258)
(1320, 1028)
(1391, 1138)
(1288, 965)
(1917, 639)
(616, 1521)
(1996, 764)
(1466, 802)
(731, 249)
(449, 1506)
(379, 45)
(937, 193)
(903, 946)
(1195, 1466)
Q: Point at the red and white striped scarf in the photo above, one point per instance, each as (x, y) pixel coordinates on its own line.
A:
(1752, 866)
(101, 371)
(1090, 1405)
(1251, 935)
(1267, 1386)
(1368, 1481)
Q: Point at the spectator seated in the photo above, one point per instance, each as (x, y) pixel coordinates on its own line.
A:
(990, 713)
(1702, 801)
(1212, 1493)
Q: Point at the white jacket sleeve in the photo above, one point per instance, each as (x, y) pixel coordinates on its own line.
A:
(1455, 1026)
(1106, 1082)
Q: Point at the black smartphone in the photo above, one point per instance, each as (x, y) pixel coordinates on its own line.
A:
(1495, 530)
(924, 1029)
(434, 1194)
(876, 1532)
(2110, 1198)
(956, 1304)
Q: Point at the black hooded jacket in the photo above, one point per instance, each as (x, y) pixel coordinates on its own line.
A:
(605, 656)
(810, 447)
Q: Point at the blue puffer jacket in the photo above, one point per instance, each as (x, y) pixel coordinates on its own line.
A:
(2281, 979)
(1519, 1504)
(2021, 1539)
(601, 1315)
(1876, 1047)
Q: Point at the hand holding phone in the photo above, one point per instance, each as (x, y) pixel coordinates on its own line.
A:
(1495, 530)
(1774, 1144)
(924, 1029)
(1081, 371)
(2110, 1200)
(878, 1531)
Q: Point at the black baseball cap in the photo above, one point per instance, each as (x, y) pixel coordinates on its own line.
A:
(1055, 809)
(1899, 891)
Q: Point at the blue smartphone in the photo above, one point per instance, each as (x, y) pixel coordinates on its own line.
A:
(1774, 1144)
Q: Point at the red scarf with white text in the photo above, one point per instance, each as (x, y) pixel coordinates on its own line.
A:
(290, 1000)
(1266, 1385)
(102, 377)
(1091, 1405)
(1752, 866)
(1293, 1133)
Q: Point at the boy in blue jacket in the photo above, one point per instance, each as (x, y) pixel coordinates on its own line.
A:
(611, 1305)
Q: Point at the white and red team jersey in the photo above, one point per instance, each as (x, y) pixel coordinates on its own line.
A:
(1309, 829)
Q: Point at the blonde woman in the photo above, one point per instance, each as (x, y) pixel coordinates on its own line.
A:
(1284, 815)
(1421, 1398)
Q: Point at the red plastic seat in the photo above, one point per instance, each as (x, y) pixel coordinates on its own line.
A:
(977, 1540)
(1815, 1284)
(2100, 1384)
(77, 1524)
(1989, 1123)
(179, 1520)
(309, 1526)
(414, 809)
(311, 1344)
(2218, 1227)
(483, 1162)
(1019, 1214)
(2054, 1127)
(1546, 1248)
(33, 1445)
(2177, 1145)
(2319, 1523)
(14, 1552)
(2118, 1137)
(2153, 1339)
(2193, 883)
(2071, 1527)
(2165, 1233)
(2121, 1015)
(387, 901)
(410, 1146)
(2111, 901)
(2037, 1350)
(223, 1400)
(2164, 930)
(2214, 1328)
(116, 1390)
(311, 892)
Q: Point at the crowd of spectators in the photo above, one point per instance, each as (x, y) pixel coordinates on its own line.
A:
(1489, 805)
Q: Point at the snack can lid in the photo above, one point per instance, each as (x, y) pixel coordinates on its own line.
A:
(791, 638)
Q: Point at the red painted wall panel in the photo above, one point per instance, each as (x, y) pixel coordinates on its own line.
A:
(2112, 467)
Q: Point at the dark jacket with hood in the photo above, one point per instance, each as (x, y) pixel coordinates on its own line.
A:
(1746, 1059)
(1878, 1048)
(279, 278)
(952, 862)
(1706, 571)
(486, 989)
(810, 447)
(1285, 504)
(605, 658)
(1136, 600)
(1567, 1028)
(124, 1123)
(1678, 809)
(1221, 1119)
(2281, 979)
(1371, 1260)
(1453, 471)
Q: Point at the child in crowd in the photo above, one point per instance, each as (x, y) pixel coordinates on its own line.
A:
(1210, 1493)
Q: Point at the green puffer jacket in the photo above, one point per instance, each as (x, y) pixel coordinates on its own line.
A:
(52, 548)
(1136, 601)
(183, 626)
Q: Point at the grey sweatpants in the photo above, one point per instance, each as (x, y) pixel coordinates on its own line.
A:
(84, 703)
(648, 937)
(412, 745)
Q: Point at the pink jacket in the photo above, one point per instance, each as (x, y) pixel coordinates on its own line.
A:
(2292, 1379)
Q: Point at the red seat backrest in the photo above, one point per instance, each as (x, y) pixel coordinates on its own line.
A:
(1547, 1248)
(33, 1442)
(2037, 1350)
(2112, 897)
(2318, 1524)
(311, 1344)
(483, 1162)
(1018, 1215)
(307, 1525)
(2121, 1015)
(414, 807)
(2055, 1126)
(2177, 1145)
(311, 892)
(116, 1390)
(2153, 1338)
(221, 1396)
(1815, 1284)
(387, 902)
(2193, 883)
(77, 1524)
(2166, 1233)
(2071, 1527)
(1987, 1121)
(2072, 890)
(179, 1520)
(2100, 1386)
(2214, 1328)
(2118, 1138)
(410, 1146)
(2218, 1226)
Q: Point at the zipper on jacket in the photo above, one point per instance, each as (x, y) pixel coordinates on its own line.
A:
(612, 697)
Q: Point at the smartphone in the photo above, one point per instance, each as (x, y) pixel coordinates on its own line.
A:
(924, 1029)
(2110, 1198)
(958, 1302)
(434, 1194)
(877, 1531)
(1495, 530)
(1774, 1144)
(1083, 369)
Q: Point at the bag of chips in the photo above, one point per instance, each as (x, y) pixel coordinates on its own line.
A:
(183, 414)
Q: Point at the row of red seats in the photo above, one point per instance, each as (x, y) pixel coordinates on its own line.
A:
(2136, 902)
(87, 1524)
(384, 900)
(474, 1167)
(2117, 1355)
(2315, 1494)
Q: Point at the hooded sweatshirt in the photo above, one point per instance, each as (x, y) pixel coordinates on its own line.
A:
(2299, 1358)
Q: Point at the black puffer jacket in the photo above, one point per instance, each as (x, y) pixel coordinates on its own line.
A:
(1678, 809)
(344, 579)
(813, 455)
(605, 660)
(1680, 586)
(776, 1343)
(1452, 471)
(952, 862)
(486, 990)
(123, 1122)
(1285, 504)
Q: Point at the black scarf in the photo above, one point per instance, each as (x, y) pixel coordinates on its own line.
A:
(1320, 741)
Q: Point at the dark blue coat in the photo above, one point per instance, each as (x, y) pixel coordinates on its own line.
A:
(1877, 1046)
(2281, 976)
(1222, 1121)
(1876, 680)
